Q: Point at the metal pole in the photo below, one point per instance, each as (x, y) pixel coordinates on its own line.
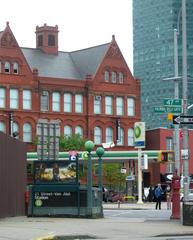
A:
(185, 88)
(100, 183)
(89, 185)
(176, 95)
(139, 177)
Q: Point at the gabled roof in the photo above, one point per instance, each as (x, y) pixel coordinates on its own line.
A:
(68, 65)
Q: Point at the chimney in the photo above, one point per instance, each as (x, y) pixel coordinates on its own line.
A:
(47, 39)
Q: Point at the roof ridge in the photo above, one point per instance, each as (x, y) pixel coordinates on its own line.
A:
(90, 47)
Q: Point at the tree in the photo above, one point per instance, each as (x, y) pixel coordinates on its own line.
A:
(73, 142)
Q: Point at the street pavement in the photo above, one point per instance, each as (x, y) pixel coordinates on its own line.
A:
(127, 221)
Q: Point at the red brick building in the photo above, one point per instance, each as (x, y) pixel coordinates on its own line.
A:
(86, 90)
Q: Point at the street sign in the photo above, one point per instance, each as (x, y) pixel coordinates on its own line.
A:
(182, 119)
(172, 102)
(167, 109)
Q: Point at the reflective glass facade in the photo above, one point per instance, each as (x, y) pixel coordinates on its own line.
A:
(153, 41)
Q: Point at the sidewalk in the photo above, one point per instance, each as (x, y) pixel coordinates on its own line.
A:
(127, 205)
(112, 227)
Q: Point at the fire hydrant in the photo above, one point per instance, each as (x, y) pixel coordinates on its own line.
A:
(175, 197)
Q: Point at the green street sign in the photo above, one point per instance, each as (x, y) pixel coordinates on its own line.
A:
(169, 102)
(167, 109)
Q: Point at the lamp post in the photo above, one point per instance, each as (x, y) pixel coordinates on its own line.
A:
(100, 151)
(89, 145)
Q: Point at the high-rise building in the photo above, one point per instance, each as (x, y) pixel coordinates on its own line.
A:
(153, 39)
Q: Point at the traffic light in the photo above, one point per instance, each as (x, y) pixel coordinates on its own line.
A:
(165, 156)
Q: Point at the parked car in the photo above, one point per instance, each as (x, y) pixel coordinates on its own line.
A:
(115, 196)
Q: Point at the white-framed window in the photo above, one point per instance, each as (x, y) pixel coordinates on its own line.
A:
(79, 130)
(2, 97)
(7, 67)
(15, 68)
(14, 98)
(2, 127)
(119, 106)
(27, 132)
(114, 77)
(67, 102)
(97, 104)
(97, 135)
(109, 105)
(121, 142)
(44, 105)
(130, 137)
(27, 99)
(106, 76)
(67, 131)
(78, 103)
(109, 134)
(15, 129)
(55, 101)
(121, 77)
(130, 106)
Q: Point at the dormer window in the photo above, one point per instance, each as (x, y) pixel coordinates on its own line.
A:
(15, 68)
(7, 67)
(51, 40)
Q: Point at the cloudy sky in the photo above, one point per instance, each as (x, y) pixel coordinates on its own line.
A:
(81, 23)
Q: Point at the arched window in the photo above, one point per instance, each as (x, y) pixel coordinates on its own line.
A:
(109, 134)
(67, 102)
(114, 77)
(2, 97)
(106, 76)
(7, 67)
(97, 135)
(130, 107)
(130, 137)
(119, 106)
(55, 101)
(121, 142)
(2, 127)
(67, 131)
(15, 68)
(15, 129)
(27, 132)
(78, 103)
(121, 77)
(79, 130)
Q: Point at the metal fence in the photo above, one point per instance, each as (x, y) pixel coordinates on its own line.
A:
(12, 176)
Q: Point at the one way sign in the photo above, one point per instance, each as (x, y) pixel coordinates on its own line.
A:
(182, 119)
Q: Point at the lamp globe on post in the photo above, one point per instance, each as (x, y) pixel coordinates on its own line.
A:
(89, 145)
(100, 151)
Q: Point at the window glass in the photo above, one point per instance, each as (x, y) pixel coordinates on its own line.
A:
(7, 67)
(119, 106)
(108, 105)
(14, 98)
(97, 104)
(130, 107)
(27, 132)
(40, 40)
(97, 135)
(67, 130)
(2, 127)
(0, 66)
(44, 101)
(121, 142)
(67, 102)
(2, 97)
(15, 68)
(78, 103)
(106, 76)
(16, 129)
(51, 40)
(114, 77)
(121, 77)
(79, 130)
(130, 137)
(26, 99)
(55, 101)
(109, 134)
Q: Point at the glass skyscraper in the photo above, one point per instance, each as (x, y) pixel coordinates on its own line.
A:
(154, 22)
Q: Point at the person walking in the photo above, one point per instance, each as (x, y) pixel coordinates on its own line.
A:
(158, 196)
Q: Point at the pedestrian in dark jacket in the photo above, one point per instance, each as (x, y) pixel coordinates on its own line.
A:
(158, 195)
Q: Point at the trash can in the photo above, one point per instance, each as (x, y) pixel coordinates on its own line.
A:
(188, 213)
